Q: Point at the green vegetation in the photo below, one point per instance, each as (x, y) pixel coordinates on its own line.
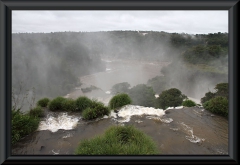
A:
(203, 54)
(221, 89)
(170, 98)
(208, 96)
(202, 48)
(22, 125)
(96, 110)
(69, 105)
(217, 105)
(43, 102)
(158, 84)
(82, 103)
(36, 112)
(189, 103)
(142, 95)
(68, 55)
(56, 104)
(91, 109)
(119, 101)
(217, 102)
(181, 76)
(118, 140)
(219, 69)
(120, 88)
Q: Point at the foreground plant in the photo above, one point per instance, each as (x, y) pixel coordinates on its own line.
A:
(22, 125)
(36, 112)
(118, 140)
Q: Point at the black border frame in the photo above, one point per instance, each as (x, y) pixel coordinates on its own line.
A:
(6, 6)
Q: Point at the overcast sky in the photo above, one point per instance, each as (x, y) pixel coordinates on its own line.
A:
(192, 22)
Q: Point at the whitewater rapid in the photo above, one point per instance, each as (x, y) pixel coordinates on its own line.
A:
(64, 121)
(61, 121)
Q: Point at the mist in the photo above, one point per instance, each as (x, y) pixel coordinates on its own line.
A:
(61, 63)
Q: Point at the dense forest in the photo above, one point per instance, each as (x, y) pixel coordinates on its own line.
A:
(53, 62)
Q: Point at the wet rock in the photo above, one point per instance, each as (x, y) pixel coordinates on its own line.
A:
(41, 148)
(167, 112)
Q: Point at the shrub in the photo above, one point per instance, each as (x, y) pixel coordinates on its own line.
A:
(119, 101)
(88, 114)
(217, 105)
(95, 103)
(221, 90)
(96, 110)
(208, 96)
(69, 105)
(43, 102)
(22, 125)
(170, 98)
(56, 104)
(36, 112)
(82, 103)
(120, 88)
(158, 83)
(142, 95)
(118, 140)
(189, 103)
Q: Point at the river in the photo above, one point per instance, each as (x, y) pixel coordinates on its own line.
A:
(176, 131)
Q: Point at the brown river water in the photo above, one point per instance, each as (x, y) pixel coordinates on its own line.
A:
(176, 131)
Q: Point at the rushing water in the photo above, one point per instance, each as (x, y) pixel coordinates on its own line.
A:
(177, 130)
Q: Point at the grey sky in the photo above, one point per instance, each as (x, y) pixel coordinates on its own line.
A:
(192, 22)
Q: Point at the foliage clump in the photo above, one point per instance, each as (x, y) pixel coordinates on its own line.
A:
(158, 83)
(189, 103)
(96, 110)
(170, 98)
(22, 125)
(217, 105)
(119, 101)
(142, 95)
(118, 140)
(217, 102)
(69, 105)
(221, 89)
(56, 104)
(120, 88)
(208, 96)
(82, 103)
(43, 102)
(36, 112)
